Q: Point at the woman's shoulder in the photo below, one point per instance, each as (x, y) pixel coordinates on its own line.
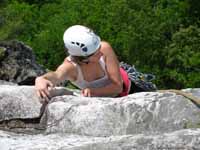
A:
(68, 68)
(69, 63)
(106, 47)
(105, 44)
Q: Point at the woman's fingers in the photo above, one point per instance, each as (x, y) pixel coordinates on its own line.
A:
(45, 96)
(46, 90)
(82, 92)
(43, 88)
(40, 97)
(47, 93)
(50, 84)
(86, 92)
(38, 94)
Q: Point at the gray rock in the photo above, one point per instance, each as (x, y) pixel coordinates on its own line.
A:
(2, 82)
(186, 139)
(141, 121)
(18, 102)
(21, 102)
(140, 113)
(18, 63)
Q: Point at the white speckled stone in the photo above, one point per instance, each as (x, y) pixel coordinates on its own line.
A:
(140, 113)
(18, 102)
(187, 139)
(141, 121)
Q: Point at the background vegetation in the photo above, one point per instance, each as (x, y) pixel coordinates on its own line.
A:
(157, 36)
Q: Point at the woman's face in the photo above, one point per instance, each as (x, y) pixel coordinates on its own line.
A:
(93, 58)
(85, 60)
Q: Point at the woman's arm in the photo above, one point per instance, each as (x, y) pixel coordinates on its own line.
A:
(47, 81)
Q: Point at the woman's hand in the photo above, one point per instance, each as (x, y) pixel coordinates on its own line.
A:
(86, 92)
(43, 86)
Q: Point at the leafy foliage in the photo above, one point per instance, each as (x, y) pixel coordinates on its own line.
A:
(157, 36)
(182, 58)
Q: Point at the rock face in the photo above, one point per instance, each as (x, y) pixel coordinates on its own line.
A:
(141, 113)
(187, 139)
(18, 64)
(21, 102)
(141, 121)
(18, 102)
(2, 82)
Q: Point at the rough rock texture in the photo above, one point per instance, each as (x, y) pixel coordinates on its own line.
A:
(18, 102)
(18, 64)
(21, 102)
(2, 82)
(149, 112)
(188, 139)
(141, 121)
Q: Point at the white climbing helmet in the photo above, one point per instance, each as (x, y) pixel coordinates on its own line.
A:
(81, 41)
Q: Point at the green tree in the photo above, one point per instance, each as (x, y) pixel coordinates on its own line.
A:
(183, 59)
(146, 33)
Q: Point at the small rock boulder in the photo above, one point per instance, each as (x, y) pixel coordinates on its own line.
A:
(18, 63)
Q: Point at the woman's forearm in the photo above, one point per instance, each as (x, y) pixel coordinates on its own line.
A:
(51, 76)
(111, 90)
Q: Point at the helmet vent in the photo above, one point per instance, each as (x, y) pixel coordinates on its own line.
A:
(82, 45)
(84, 49)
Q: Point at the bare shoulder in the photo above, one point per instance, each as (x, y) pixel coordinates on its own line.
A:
(67, 69)
(106, 48)
(66, 65)
(109, 55)
(105, 44)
